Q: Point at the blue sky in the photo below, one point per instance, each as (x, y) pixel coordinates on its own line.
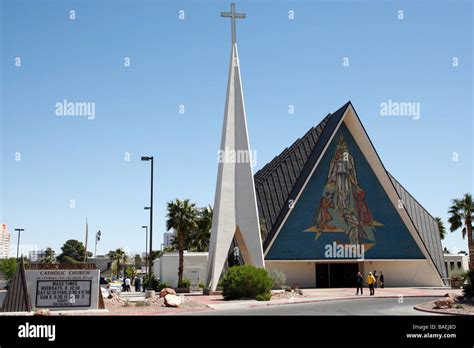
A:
(177, 62)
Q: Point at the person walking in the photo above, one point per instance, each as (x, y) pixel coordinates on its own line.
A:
(371, 282)
(376, 279)
(382, 280)
(359, 283)
(138, 284)
(127, 284)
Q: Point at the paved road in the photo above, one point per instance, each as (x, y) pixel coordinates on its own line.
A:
(369, 306)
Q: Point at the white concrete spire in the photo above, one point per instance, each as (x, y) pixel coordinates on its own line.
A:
(235, 205)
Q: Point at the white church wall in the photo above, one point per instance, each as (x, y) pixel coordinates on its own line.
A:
(398, 273)
(404, 273)
(302, 273)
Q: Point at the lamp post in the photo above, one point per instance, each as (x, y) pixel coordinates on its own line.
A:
(18, 245)
(97, 238)
(146, 245)
(150, 263)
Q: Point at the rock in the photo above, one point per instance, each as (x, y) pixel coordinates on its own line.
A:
(444, 303)
(43, 312)
(453, 296)
(166, 291)
(172, 300)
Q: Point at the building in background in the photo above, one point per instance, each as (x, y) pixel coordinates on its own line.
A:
(103, 263)
(37, 255)
(456, 264)
(4, 242)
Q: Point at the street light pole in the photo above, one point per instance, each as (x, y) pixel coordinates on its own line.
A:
(146, 247)
(97, 238)
(150, 261)
(18, 245)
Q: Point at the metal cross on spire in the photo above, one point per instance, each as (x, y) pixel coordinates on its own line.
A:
(233, 15)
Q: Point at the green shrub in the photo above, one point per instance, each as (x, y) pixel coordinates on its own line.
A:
(154, 283)
(469, 288)
(264, 297)
(279, 278)
(246, 282)
(186, 283)
(202, 286)
(161, 286)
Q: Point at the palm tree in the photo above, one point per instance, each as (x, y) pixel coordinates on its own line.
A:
(117, 255)
(441, 228)
(182, 217)
(461, 216)
(202, 234)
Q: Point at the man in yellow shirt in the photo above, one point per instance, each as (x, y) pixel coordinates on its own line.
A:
(371, 282)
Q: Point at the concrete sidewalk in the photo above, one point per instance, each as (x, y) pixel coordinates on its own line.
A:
(318, 295)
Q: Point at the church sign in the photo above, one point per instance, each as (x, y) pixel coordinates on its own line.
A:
(63, 288)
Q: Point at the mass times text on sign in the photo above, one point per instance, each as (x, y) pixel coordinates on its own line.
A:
(63, 293)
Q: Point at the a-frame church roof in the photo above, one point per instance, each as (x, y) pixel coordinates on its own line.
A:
(279, 183)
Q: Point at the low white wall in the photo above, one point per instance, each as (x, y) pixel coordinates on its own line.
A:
(302, 273)
(195, 268)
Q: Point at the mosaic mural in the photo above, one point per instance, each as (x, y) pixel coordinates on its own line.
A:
(343, 203)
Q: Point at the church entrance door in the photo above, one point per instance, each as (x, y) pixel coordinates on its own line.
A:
(336, 275)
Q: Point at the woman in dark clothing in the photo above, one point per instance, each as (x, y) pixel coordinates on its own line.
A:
(359, 283)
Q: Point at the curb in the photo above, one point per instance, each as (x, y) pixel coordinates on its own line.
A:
(336, 299)
(320, 300)
(441, 313)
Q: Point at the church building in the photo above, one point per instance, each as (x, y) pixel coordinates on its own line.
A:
(328, 208)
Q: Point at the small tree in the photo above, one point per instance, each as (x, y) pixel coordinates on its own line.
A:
(8, 267)
(49, 258)
(73, 251)
(131, 272)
